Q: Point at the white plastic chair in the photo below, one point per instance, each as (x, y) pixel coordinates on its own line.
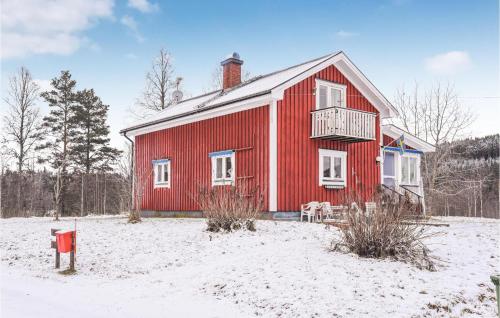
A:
(326, 211)
(309, 209)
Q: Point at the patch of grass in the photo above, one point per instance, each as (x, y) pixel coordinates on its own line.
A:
(439, 307)
(68, 272)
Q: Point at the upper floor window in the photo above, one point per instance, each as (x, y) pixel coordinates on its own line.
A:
(329, 94)
(409, 170)
(223, 167)
(161, 173)
(332, 167)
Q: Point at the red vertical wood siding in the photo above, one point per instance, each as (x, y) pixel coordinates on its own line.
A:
(298, 157)
(188, 146)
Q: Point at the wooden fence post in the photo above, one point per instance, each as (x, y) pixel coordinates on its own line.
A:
(72, 253)
(53, 244)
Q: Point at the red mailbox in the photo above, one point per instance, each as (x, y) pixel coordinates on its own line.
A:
(64, 241)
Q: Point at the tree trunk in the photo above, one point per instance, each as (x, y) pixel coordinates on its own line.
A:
(81, 196)
(481, 198)
(104, 199)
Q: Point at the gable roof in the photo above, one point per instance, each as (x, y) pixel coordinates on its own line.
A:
(413, 141)
(261, 89)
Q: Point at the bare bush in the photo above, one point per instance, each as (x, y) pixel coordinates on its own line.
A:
(230, 208)
(384, 233)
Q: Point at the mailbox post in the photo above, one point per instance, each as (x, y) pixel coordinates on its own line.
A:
(65, 242)
(53, 244)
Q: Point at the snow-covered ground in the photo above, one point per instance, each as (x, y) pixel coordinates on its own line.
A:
(173, 268)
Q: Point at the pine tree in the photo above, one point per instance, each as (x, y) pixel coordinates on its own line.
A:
(60, 130)
(91, 151)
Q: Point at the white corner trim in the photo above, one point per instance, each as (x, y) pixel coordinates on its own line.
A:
(273, 156)
(207, 114)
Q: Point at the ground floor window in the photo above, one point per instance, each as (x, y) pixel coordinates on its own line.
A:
(409, 172)
(332, 168)
(223, 167)
(161, 173)
(389, 169)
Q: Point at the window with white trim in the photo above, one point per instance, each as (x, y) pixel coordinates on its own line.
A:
(332, 168)
(329, 94)
(161, 173)
(223, 167)
(409, 170)
(389, 169)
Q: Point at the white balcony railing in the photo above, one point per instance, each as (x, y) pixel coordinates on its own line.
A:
(343, 124)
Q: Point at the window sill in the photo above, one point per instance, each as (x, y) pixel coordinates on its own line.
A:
(333, 186)
(222, 183)
(328, 184)
(161, 185)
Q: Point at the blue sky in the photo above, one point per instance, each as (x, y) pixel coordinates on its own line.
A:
(108, 45)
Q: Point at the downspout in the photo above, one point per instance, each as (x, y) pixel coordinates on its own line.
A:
(131, 166)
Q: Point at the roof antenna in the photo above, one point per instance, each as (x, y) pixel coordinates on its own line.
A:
(177, 94)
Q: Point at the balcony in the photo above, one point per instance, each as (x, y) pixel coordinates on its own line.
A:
(345, 124)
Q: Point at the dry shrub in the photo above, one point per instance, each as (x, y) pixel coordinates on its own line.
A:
(230, 208)
(385, 233)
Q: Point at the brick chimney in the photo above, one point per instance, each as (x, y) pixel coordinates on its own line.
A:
(231, 71)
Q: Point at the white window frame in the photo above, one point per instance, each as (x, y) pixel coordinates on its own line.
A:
(330, 86)
(164, 164)
(395, 166)
(417, 168)
(223, 154)
(342, 182)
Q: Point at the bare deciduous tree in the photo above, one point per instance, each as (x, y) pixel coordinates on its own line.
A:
(22, 122)
(437, 117)
(141, 179)
(3, 167)
(160, 83)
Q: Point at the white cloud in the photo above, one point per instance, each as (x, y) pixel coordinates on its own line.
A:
(48, 27)
(143, 5)
(131, 56)
(130, 23)
(448, 63)
(346, 34)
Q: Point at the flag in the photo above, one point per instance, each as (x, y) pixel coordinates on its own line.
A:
(401, 144)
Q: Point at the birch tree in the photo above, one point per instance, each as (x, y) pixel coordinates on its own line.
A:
(22, 123)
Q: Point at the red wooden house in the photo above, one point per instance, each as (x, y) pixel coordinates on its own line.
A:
(311, 132)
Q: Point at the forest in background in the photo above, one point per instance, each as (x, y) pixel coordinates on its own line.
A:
(63, 163)
(469, 184)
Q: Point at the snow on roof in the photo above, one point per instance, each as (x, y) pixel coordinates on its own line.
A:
(254, 86)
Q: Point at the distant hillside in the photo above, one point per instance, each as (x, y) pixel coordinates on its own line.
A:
(478, 148)
(469, 179)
